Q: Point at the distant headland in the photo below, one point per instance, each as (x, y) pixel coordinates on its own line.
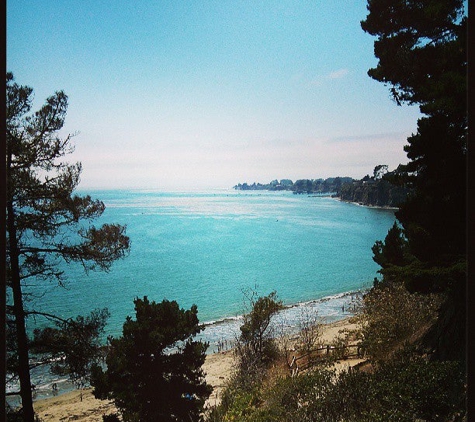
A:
(328, 186)
(383, 189)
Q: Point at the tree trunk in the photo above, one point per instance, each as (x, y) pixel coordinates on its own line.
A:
(19, 313)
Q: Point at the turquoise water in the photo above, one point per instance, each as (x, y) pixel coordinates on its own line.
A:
(206, 248)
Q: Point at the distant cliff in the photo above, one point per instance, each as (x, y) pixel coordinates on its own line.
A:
(377, 191)
(303, 186)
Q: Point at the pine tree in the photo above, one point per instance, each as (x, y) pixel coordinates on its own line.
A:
(421, 48)
(46, 222)
(154, 370)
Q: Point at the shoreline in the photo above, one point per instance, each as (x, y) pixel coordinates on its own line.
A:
(222, 333)
(323, 195)
(376, 207)
(330, 309)
(218, 368)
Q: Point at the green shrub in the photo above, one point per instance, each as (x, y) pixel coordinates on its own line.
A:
(402, 390)
(390, 316)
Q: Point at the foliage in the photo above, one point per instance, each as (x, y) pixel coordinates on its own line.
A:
(393, 251)
(390, 316)
(238, 404)
(113, 417)
(400, 390)
(73, 347)
(379, 171)
(255, 330)
(17, 415)
(46, 222)
(421, 52)
(310, 327)
(318, 186)
(256, 346)
(380, 190)
(400, 385)
(154, 370)
(255, 350)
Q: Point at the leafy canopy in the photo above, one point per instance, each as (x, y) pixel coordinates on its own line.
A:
(421, 52)
(154, 370)
(73, 346)
(47, 224)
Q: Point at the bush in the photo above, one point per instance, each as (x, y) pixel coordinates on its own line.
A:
(256, 346)
(402, 390)
(310, 329)
(154, 370)
(390, 316)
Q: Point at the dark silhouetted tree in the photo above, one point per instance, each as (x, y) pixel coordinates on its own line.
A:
(47, 224)
(392, 251)
(379, 171)
(73, 346)
(421, 52)
(154, 370)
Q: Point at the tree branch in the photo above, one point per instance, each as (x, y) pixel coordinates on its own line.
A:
(50, 316)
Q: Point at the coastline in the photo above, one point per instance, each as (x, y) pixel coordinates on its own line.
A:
(221, 334)
(323, 195)
(296, 277)
(376, 207)
(218, 368)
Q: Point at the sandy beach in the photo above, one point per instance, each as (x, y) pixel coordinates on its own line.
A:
(218, 367)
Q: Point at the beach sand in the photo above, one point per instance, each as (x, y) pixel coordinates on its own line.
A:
(218, 368)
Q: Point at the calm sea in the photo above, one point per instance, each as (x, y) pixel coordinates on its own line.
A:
(206, 248)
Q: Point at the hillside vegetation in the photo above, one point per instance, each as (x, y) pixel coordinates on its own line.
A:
(393, 381)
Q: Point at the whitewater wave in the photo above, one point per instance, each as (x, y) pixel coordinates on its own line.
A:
(221, 335)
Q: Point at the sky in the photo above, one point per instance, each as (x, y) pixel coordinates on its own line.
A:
(207, 94)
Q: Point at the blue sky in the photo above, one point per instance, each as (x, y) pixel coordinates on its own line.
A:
(193, 94)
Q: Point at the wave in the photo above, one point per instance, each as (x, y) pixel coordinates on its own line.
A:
(329, 308)
(338, 296)
(222, 333)
(223, 320)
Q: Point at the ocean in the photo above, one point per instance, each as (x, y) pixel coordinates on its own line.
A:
(207, 248)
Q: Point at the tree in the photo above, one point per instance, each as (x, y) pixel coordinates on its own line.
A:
(421, 51)
(46, 223)
(255, 347)
(73, 346)
(379, 171)
(393, 251)
(310, 327)
(421, 48)
(254, 350)
(255, 332)
(154, 370)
